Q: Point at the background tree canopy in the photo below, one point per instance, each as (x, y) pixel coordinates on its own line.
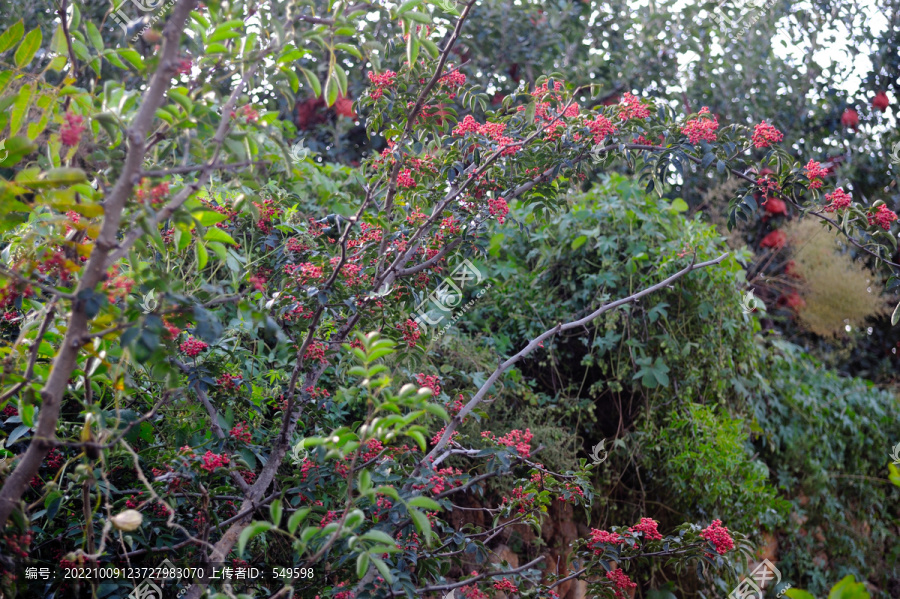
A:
(504, 298)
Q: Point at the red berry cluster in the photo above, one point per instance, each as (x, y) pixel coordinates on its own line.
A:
(602, 537)
(648, 527)
(316, 351)
(432, 382)
(212, 461)
(70, 132)
(718, 536)
(517, 439)
(621, 581)
(701, 128)
(380, 82)
(815, 172)
(838, 200)
(54, 459)
(506, 585)
(241, 432)
(631, 108)
(884, 216)
(410, 332)
(765, 135)
(192, 347)
(18, 544)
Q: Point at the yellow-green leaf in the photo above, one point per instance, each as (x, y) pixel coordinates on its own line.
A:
(20, 108)
(208, 218)
(217, 234)
(216, 49)
(29, 47)
(5, 78)
(35, 129)
(58, 62)
(15, 149)
(182, 239)
(64, 176)
(11, 36)
(679, 205)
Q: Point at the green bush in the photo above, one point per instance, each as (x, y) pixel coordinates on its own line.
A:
(711, 420)
(828, 440)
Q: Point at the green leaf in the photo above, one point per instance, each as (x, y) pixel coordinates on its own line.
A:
(331, 90)
(254, 529)
(313, 81)
(58, 63)
(18, 147)
(20, 108)
(202, 255)
(430, 47)
(425, 503)
(419, 17)
(350, 49)
(389, 491)
(341, 78)
(94, 36)
(412, 47)
(848, 588)
(379, 536)
(679, 205)
(218, 249)
(182, 239)
(419, 437)
(291, 77)
(895, 317)
(28, 47)
(5, 78)
(408, 5)
(362, 564)
(422, 524)
(217, 234)
(11, 36)
(275, 511)
(182, 100)
(384, 570)
(579, 241)
(27, 413)
(225, 31)
(798, 594)
(208, 218)
(297, 518)
(894, 475)
(132, 57)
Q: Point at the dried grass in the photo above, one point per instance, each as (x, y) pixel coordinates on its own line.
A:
(837, 290)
